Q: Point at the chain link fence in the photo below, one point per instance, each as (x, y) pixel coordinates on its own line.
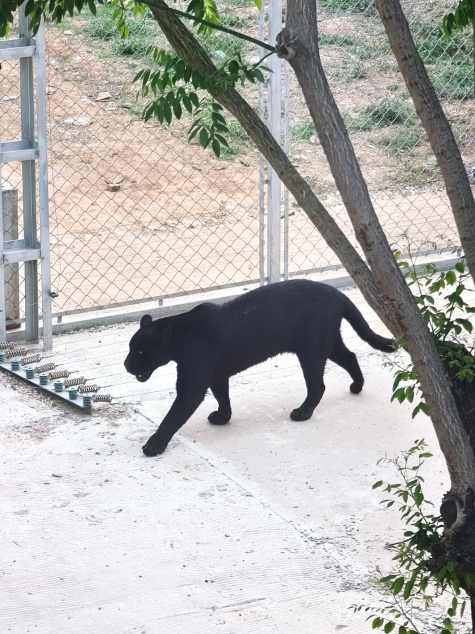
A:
(396, 159)
(138, 214)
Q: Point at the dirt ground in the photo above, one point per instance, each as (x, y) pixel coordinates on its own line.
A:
(263, 525)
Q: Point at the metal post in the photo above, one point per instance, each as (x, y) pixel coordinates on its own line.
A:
(274, 121)
(286, 191)
(43, 188)
(27, 101)
(11, 271)
(3, 325)
(262, 225)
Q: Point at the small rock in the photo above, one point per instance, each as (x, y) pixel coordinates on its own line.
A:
(9, 97)
(113, 187)
(77, 60)
(245, 163)
(103, 96)
(83, 121)
(68, 33)
(314, 140)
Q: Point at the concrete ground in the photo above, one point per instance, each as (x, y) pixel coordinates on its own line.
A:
(263, 525)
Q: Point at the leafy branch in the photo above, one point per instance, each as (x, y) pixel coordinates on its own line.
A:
(412, 582)
(174, 88)
(447, 324)
(460, 18)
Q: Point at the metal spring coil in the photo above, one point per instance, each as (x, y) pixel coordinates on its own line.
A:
(34, 359)
(45, 368)
(59, 374)
(83, 389)
(6, 346)
(16, 352)
(102, 398)
(71, 382)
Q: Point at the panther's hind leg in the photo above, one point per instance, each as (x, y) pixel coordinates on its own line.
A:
(348, 361)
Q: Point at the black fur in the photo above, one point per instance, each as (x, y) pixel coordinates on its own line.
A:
(212, 343)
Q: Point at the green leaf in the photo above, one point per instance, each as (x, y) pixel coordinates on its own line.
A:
(187, 103)
(177, 109)
(258, 4)
(167, 112)
(377, 622)
(221, 139)
(450, 277)
(408, 589)
(377, 484)
(193, 134)
(216, 147)
(397, 585)
(389, 627)
(204, 137)
(194, 99)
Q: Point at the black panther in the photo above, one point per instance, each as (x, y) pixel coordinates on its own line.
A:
(214, 342)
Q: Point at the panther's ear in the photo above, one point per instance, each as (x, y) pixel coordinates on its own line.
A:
(145, 321)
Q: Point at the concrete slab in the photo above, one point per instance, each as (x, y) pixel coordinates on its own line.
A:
(263, 525)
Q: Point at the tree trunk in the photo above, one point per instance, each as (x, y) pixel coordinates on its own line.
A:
(299, 44)
(435, 123)
(390, 296)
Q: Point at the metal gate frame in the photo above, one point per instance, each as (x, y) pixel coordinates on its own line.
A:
(29, 150)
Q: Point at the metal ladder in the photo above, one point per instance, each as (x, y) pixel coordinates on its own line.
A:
(28, 151)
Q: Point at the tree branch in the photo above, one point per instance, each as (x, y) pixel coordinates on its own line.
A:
(435, 123)
(186, 46)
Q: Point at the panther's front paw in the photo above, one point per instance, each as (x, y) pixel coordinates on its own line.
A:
(215, 418)
(300, 414)
(154, 446)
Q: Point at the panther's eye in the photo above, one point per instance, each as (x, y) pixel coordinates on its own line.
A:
(140, 352)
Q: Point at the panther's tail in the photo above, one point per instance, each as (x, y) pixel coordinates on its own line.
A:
(361, 327)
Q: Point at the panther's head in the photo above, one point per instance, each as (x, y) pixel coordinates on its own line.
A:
(149, 348)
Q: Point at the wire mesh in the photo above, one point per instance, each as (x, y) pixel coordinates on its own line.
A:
(136, 211)
(395, 156)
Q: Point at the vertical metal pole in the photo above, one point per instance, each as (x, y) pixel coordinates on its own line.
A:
(286, 191)
(262, 225)
(3, 325)
(46, 301)
(274, 97)
(11, 272)
(27, 101)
